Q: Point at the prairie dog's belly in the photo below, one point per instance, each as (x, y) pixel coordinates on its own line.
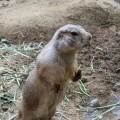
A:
(56, 98)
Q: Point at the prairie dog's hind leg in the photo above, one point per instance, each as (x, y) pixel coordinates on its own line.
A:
(45, 117)
(28, 116)
(24, 114)
(51, 114)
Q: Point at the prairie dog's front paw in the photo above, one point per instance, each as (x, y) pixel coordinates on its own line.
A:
(77, 76)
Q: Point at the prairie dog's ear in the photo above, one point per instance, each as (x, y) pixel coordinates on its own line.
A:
(72, 32)
(61, 32)
(58, 34)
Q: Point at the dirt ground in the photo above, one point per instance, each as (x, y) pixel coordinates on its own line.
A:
(26, 26)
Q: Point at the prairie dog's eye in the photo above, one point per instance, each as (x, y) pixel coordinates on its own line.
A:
(74, 33)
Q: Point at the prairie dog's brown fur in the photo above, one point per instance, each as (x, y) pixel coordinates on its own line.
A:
(46, 84)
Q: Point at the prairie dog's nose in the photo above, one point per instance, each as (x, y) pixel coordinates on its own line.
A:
(89, 36)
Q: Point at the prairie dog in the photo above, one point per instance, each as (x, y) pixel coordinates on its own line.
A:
(46, 84)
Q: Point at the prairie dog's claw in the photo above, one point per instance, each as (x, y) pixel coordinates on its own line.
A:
(77, 76)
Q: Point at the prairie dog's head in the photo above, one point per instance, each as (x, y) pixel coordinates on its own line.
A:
(72, 38)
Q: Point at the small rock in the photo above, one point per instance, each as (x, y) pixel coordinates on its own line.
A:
(5, 41)
(115, 89)
(4, 108)
(95, 103)
(5, 4)
(117, 1)
(70, 96)
(84, 80)
(12, 110)
(6, 95)
(118, 33)
(77, 100)
(113, 28)
(4, 98)
(117, 70)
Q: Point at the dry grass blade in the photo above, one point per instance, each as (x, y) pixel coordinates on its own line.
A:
(117, 84)
(22, 54)
(92, 65)
(12, 118)
(77, 92)
(83, 88)
(12, 73)
(66, 98)
(108, 106)
(101, 115)
(63, 115)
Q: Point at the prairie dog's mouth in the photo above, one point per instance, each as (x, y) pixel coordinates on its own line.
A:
(87, 44)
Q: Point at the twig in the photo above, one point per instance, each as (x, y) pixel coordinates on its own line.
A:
(101, 115)
(108, 106)
(11, 118)
(77, 92)
(91, 64)
(89, 82)
(18, 81)
(22, 54)
(66, 98)
(8, 116)
(20, 33)
(5, 58)
(63, 115)
(83, 86)
(6, 89)
(71, 113)
(99, 48)
(14, 99)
